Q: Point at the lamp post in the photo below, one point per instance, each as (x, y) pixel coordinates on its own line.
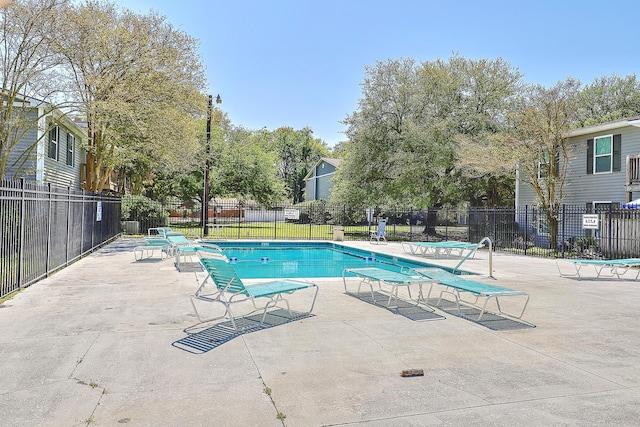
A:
(205, 196)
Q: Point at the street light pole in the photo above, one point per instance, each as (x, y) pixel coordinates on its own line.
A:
(207, 167)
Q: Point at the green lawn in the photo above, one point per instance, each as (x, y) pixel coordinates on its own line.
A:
(294, 231)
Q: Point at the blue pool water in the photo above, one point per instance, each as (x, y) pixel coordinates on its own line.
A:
(266, 260)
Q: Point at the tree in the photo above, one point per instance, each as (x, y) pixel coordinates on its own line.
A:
(140, 83)
(609, 98)
(535, 143)
(28, 73)
(402, 138)
(297, 151)
(242, 167)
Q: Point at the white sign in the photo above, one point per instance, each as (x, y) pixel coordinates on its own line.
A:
(590, 221)
(99, 212)
(291, 214)
(369, 214)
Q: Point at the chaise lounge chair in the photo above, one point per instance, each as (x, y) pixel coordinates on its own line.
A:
(152, 244)
(378, 234)
(461, 250)
(456, 285)
(392, 279)
(185, 254)
(616, 267)
(440, 249)
(230, 291)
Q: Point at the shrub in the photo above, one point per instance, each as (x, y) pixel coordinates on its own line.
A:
(149, 213)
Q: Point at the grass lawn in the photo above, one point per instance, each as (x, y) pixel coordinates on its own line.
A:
(295, 231)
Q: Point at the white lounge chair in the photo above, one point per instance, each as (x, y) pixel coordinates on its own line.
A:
(616, 267)
(378, 234)
(391, 279)
(230, 290)
(456, 286)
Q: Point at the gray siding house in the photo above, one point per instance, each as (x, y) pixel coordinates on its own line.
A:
(51, 152)
(317, 181)
(603, 172)
(602, 169)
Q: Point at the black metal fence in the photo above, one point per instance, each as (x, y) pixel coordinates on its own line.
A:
(44, 228)
(580, 231)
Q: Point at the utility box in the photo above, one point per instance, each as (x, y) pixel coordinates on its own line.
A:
(132, 227)
(338, 233)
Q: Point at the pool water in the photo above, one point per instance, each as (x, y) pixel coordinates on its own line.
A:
(285, 260)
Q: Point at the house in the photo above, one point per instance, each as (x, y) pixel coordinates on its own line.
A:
(51, 150)
(603, 169)
(603, 173)
(317, 181)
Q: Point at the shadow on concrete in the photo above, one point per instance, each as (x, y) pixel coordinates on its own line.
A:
(119, 246)
(489, 320)
(202, 338)
(409, 310)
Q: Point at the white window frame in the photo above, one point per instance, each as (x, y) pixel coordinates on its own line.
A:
(71, 149)
(542, 161)
(596, 156)
(595, 203)
(55, 142)
(542, 228)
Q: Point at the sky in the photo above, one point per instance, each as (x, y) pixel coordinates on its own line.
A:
(300, 63)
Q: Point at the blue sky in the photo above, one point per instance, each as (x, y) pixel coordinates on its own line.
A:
(301, 62)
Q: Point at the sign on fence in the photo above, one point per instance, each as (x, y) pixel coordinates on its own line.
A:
(369, 212)
(590, 221)
(99, 211)
(291, 214)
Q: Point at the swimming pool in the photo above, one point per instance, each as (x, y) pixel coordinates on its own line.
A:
(267, 260)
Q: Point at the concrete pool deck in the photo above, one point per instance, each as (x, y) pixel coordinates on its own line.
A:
(109, 341)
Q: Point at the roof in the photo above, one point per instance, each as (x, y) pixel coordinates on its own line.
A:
(603, 127)
(333, 162)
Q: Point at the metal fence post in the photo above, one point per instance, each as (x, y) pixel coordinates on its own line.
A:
(82, 223)
(526, 228)
(21, 241)
(564, 239)
(66, 257)
(310, 208)
(49, 227)
(495, 223)
(610, 231)
(239, 215)
(275, 224)
(469, 224)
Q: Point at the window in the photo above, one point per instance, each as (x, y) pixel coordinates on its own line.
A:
(54, 136)
(603, 154)
(543, 165)
(604, 206)
(71, 143)
(540, 221)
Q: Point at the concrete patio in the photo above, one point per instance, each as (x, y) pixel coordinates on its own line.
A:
(109, 341)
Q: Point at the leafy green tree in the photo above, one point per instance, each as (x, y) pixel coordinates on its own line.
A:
(29, 80)
(535, 143)
(403, 137)
(297, 151)
(609, 98)
(138, 80)
(245, 170)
